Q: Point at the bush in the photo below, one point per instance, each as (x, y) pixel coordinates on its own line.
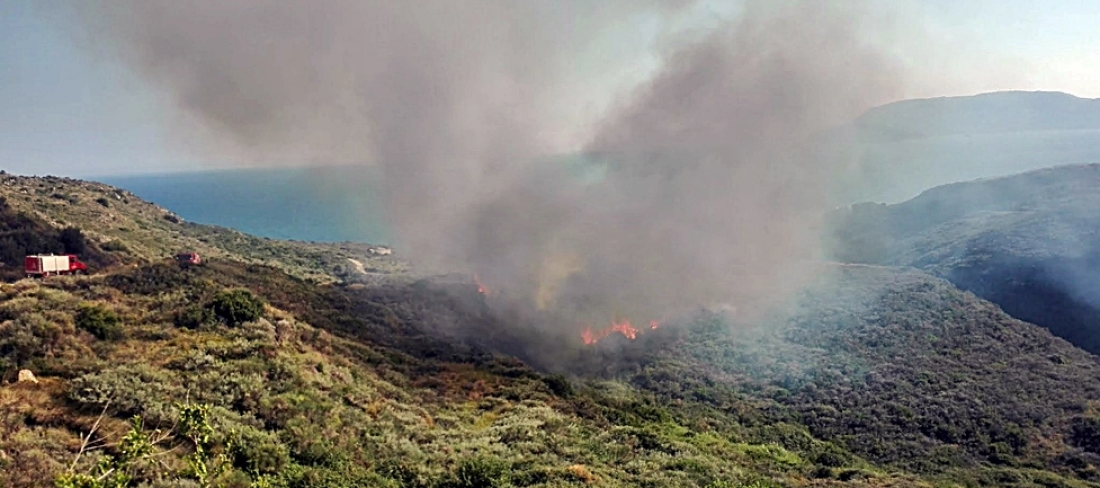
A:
(1086, 433)
(480, 473)
(559, 385)
(103, 201)
(100, 322)
(257, 452)
(115, 245)
(194, 317)
(73, 240)
(235, 307)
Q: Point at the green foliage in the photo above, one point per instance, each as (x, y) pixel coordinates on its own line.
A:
(559, 385)
(203, 464)
(99, 321)
(138, 446)
(479, 472)
(1086, 433)
(194, 316)
(115, 245)
(113, 471)
(103, 202)
(235, 307)
(72, 240)
(257, 453)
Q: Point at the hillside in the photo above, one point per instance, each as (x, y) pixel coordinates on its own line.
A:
(906, 147)
(136, 231)
(262, 374)
(898, 368)
(1029, 243)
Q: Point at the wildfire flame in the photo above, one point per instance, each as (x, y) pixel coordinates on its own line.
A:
(553, 275)
(622, 326)
(481, 288)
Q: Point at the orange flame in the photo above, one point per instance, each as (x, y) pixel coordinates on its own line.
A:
(481, 288)
(622, 326)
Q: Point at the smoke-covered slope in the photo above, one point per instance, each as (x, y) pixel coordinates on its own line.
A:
(909, 146)
(1029, 243)
(895, 366)
(300, 384)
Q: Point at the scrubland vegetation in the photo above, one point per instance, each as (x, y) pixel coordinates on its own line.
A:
(277, 371)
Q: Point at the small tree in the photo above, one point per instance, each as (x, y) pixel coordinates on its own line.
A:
(100, 322)
(235, 307)
(139, 447)
(73, 240)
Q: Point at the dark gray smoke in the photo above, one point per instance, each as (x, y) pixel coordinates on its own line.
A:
(713, 185)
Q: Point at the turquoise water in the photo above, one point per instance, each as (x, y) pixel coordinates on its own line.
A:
(315, 204)
(320, 205)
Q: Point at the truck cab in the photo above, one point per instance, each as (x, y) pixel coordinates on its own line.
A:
(186, 259)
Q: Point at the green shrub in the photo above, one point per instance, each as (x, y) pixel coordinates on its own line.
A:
(235, 307)
(194, 317)
(480, 473)
(559, 385)
(73, 240)
(1085, 433)
(257, 452)
(100, 322)
(114, 245)
(104, 202)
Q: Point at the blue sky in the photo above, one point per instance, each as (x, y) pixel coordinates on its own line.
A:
(65, 112)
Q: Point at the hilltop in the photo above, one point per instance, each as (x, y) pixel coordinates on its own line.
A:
(906, 147)
(296, 376)
(986, 113)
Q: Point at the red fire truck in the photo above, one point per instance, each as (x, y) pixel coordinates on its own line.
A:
(49, 264)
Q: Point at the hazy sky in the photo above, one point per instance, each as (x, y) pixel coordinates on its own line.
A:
(63, 111)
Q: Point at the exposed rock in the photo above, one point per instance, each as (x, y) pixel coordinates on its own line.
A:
(25, 375)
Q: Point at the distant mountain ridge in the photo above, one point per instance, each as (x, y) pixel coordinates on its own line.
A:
(987, 113)
(1028, 242)
(904, 148)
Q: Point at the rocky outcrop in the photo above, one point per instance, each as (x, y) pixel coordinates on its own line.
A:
(26, 376)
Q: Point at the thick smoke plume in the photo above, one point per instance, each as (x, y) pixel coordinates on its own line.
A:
(713, 180)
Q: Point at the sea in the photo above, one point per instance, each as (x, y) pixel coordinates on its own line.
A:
(340, 204)
(316, 204)
(304, 204)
